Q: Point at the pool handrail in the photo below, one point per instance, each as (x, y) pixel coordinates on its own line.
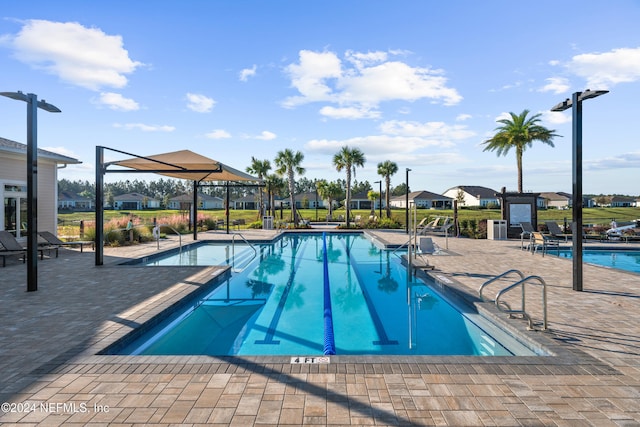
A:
(233, 251)
(499, 276)
(523, 311)
(174, 230)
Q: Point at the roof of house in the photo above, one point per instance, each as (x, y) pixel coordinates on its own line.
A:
(136, 197)
(10, 146)
(622, 199)
(422, 195)
(189, 197)
(476, 190)
(555, 196)
(311, 195)
(70, 195)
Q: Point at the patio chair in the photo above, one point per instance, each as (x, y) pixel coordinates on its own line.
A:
(54, 241)
(13, 247)
(543, 242)
(426, 246)
(441, 225)
(556, 231)
(527, 229)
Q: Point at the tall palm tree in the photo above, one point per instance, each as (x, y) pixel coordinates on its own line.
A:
(347, 159)
(288, 163)
(275, 186)
(519, 132)
(329, 191)
(386, 169)
(259, 168)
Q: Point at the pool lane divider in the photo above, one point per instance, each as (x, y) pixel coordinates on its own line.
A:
(329, 339)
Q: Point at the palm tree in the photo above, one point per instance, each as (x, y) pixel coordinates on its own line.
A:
(347, 159)
(259, 168)
(288, 163)
(329, 191)
(373, 196)
(519, 132)
(386, 169)
(275, 186)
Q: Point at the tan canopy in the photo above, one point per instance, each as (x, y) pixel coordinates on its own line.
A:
(185, 164)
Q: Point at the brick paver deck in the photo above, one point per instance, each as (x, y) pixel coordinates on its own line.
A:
(51, 373)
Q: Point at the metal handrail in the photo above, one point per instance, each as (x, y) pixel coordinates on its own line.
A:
(174, 230)
(523, 310)
(499, 276)
(233, 251)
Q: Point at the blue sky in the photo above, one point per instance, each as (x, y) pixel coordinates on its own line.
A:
(420, 83)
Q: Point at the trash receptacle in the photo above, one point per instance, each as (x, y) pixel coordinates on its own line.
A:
(267, 222)
(496, 229)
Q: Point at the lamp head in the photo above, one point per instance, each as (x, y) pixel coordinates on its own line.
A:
(588, 94)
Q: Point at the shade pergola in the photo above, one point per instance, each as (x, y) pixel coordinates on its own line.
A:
(183, 164)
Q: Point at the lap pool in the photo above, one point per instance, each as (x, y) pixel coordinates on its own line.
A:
(274, 305)
(628, 260)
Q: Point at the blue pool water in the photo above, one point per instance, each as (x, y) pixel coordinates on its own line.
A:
(620, 259)
(275, 306)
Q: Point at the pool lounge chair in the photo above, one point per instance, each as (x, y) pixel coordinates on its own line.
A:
(544, 242)
(527, 229)
(426, 246)
(440, 225)
(556, 231)
(54, 241)
(10, 246)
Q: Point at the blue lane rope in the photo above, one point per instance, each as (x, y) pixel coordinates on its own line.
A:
(329, 340)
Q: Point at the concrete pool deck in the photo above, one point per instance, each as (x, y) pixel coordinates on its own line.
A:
(50, 373)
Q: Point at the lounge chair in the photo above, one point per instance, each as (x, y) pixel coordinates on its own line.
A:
(543, 242)
(10, 246)
(426, 246)
(556, 231)
(54, 241)
(527, 229)
(440, 225)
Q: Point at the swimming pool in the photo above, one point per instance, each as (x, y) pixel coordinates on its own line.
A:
(611, 258)
(274, 306)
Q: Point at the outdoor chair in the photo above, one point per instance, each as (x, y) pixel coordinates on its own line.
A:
(556, 231)
(543, 242)
(54, 241)
(527, 229)
(426, 246)
(440, 225)
(11, 246)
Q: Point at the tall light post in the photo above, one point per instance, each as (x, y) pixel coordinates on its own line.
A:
(32, 179)
(379, 198)
(406, 205)
(575, 103)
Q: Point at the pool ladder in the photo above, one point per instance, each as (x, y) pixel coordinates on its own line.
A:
(521, 283)
(233, 252)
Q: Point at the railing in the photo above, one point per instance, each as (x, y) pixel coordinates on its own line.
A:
(523, 311)
(156, 234)
(233, 252)
(498, 277)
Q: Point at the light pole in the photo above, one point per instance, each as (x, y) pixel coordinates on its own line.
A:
(32, 179)
(575, 103)
(406, 206)
(379, 198)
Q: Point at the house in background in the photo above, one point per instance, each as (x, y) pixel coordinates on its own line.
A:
(13, 187)
(622, 202)
(422, 199)
(308, 201)
(205, 201)
(71, 201)
(250, 201)
(557, 200)
(474, 195)
(135, 202)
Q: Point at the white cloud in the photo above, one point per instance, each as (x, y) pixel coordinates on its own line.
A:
(463, 117)
(82, 56)
(265, 135)
(557, 85)
(218, 134)
(437, 130)
(349, 113)
(145, 128)
(364, 81)
(61, 150)
(620, 161)
(604, 70)
(199, 103)
(556, 117)
(248, 72)
(115, 101)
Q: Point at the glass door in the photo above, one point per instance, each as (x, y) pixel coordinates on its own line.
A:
(15, 215)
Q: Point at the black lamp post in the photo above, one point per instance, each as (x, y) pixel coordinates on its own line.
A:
(575, 103)
(406, 206)
(32, 179)
(379, 198)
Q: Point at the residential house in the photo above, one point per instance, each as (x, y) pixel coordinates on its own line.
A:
(557, 200)
(13, 187)
(474, 195)
(422, 199)
(205, 201)
(361, 201)
(135, 202)
(250, 201)
(622, 202)
(71, 201)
